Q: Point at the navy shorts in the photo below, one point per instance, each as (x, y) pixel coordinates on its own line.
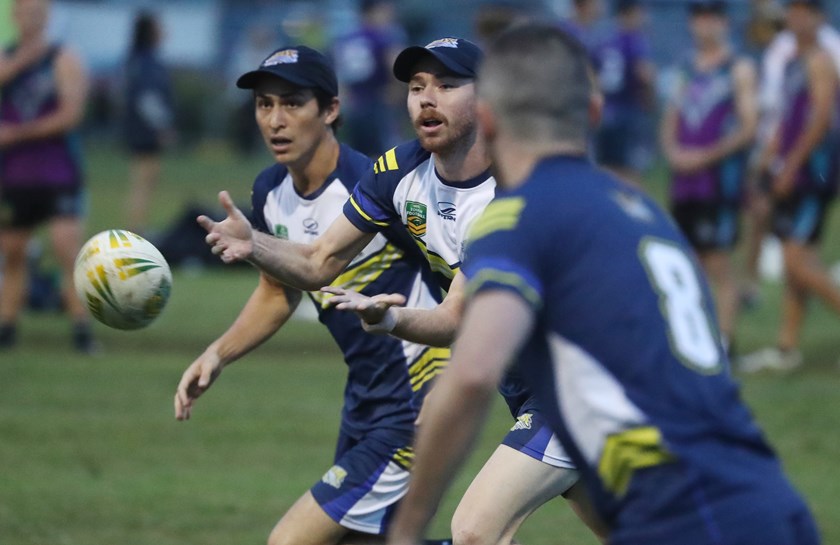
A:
(800, 217)
(368, 477)
(670, 504)
(531, 435)
(708, 226)
(29, 207)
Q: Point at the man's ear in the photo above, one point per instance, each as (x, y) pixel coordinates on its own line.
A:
(332, 111)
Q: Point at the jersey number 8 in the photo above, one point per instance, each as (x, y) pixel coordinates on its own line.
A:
(681, 300)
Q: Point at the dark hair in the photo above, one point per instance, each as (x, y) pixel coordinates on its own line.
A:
(145, 32)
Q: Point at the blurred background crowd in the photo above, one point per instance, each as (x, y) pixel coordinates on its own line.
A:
(206, 43)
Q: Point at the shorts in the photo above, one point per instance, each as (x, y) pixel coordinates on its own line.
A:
(368, 477)
(800, 217)
(532, 436)
(708, 226)
(29, 207)
(671, 503)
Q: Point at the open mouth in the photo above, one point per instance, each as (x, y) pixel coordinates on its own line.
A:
(280, 142)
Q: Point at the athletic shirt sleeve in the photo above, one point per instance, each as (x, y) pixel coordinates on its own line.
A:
(266, 180)
(371, 205)
(503, 252)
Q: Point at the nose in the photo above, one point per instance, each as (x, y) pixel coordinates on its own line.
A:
(277, 119)
(428, 98)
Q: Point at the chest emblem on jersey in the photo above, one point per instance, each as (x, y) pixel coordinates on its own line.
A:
(523, 422)
(310, 226)
(446, 210)
(415, 215)
(335, 476)
(281, 231)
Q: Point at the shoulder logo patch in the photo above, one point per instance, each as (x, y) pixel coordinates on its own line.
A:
(523, 422)
(415, 215)
(335, 476)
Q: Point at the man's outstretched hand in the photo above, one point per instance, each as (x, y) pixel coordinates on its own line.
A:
(375, 312)
(232, 238)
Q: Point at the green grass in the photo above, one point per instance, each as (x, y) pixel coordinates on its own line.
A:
(90, 453)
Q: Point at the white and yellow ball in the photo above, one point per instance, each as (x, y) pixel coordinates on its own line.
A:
(123, 279)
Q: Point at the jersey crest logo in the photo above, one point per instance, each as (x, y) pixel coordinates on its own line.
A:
(446, 210)
(415, 213)
(523, 422)
(281, 231)
(335, 476)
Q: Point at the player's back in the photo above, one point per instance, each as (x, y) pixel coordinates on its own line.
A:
(626, 354)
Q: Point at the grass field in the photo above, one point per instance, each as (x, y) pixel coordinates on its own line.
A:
(90, 453)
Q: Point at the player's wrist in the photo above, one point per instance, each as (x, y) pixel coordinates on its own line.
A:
(385, 325)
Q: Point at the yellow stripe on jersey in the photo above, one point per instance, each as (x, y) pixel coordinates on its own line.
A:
(404, 457)
(437, 263)
(505, 278)
(364, 215)
(386, 162)
(628, 451)
(364, 274)
(429, 365)
(502, 214)
(391, 159)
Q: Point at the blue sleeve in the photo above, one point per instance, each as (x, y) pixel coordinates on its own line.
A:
(504, 253)
(371, 205)
(263, 184)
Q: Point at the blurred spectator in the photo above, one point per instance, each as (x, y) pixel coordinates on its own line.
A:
(706, 131)
(626, 75)
(248, 52)
(149, 116)
(43, 92)
(372, 96)
(777, 55)
(804, 170)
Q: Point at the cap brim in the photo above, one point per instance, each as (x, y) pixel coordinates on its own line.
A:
(409, 57)
(251, 79)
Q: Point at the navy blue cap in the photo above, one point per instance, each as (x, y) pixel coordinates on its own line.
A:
(696, 7)
(459, 56)
(297, 64)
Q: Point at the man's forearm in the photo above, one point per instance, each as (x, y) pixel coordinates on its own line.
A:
(293, 264)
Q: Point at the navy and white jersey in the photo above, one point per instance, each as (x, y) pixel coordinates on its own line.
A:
(404, 189)
(625, 357)
(387, 377)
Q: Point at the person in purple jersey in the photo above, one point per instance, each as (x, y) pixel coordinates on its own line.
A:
(626, 75)
(363, 62)
(705, 132)
(43, 90)
(804, 181)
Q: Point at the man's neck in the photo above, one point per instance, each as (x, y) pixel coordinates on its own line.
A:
(464, 162)
(310, 172)
(515, 161)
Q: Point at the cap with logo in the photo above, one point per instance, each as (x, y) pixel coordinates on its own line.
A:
(696, 7)
(297, 64)
(459, 56)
